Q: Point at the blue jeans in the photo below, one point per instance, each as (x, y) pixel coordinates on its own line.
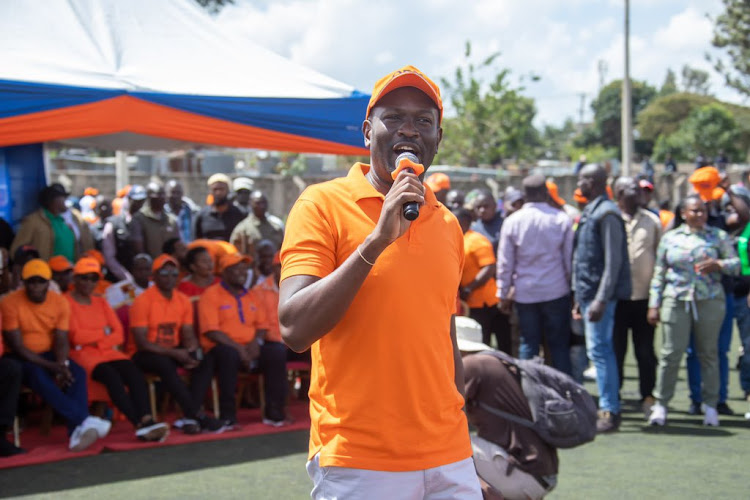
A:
(549, 320)
(694, 367)
(72, 403)
(742, 315)
(600, 349)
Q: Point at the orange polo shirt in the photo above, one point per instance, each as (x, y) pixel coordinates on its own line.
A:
(268, 297)
(37, 322)
(163, 317)
(382, 393)
(237, 317)
(479, 253)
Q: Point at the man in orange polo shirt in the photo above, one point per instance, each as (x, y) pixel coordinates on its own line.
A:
(35, 328)
(233, 335)
(478, 287)
(373, 294)
(162, 340)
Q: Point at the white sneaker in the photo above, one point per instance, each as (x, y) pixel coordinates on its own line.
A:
(101, 426)
(658, 415)
(589, 373)
(711, 416)
(157, 431)
(82, 438)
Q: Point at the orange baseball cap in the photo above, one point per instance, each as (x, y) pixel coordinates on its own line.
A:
(554, 193)
(36, 268)
(96, 255)
(232, 259)
(162, 261)
(60, 263)
(438, 181)
(87, 265)
(408, 76)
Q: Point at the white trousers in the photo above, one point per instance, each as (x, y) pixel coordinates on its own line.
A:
(456, 481)
(492, 465)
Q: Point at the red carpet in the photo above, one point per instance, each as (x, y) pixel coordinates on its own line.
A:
(54, 447)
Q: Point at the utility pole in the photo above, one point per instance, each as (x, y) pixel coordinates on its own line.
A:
(581, 109)
(627, 112)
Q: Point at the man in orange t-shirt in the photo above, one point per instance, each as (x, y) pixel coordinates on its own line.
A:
(10, 387)
(162, 340)
(233, 334)
(478, 286)
(372, 293)
(35, 328)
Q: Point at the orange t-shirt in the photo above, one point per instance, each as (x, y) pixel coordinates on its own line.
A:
(268, 297)
(95, 331)
(37, 322)
(479, 253)
(163, 317)
(382, 393)
(237, 317)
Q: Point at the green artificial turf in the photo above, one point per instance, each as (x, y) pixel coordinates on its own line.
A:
(682, 460)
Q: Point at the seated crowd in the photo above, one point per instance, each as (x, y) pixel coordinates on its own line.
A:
(97, 305)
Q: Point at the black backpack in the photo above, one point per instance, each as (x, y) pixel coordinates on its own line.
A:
(564, 413)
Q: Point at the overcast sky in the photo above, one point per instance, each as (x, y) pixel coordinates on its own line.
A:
(358, 41)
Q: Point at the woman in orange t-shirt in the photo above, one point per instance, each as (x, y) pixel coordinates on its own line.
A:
(95, 334)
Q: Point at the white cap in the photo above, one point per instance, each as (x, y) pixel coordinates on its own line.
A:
(243, 183)
(469, 335)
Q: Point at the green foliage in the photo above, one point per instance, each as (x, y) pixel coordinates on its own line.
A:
(707, 130)
(670, 84)
(608, 109)
(664, 115)
(695, 81)
(554, 141)
(214, 6)
(595, 153)
(732, 34)
(491, 120)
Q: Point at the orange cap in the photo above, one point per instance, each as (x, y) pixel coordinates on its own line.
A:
(123, 192)
(162, 261)
(232, 259)
(578, 196)
(36, 268)
(60, 263)
(90, 191)
(408, 76)
(438, 181)
(553, 193)
(87, 265)
(96, 255)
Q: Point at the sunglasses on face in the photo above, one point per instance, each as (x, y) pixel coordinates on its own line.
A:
(168, 272)
(88, 277)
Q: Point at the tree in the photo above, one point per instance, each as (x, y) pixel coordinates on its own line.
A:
(492, 121)
(732, 35)
(608, 108)
(707, 131)
(214, 6)
(554, 141)
(670, 84)
(695, 81)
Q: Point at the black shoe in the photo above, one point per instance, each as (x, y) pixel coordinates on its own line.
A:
(695, 408)
(724, 409)
(607, 422)
(210, 424)
(8, 449)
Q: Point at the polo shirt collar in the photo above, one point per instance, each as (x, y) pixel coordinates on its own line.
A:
(361, 188)
(229, 290)
(52, 216)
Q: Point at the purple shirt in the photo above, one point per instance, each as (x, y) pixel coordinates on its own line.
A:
(535, 254)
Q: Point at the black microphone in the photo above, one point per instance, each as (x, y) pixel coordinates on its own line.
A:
(410, 162)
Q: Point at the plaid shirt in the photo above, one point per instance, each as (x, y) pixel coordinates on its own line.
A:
(678, 252)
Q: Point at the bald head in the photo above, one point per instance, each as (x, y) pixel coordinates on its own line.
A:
(592, 181)
(535, 188)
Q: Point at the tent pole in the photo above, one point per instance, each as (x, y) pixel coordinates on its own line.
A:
(122, 174)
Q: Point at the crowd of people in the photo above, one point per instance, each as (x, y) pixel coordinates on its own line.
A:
(101, 297)
(614, 267)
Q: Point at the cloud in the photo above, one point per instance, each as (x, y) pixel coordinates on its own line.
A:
(358, 42)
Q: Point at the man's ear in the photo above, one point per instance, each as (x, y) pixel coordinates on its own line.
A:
(366, 131)
(440, 138)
